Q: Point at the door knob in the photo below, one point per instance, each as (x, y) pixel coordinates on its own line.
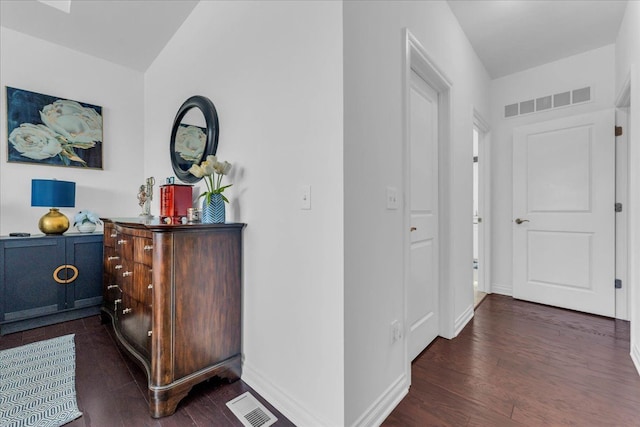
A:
(520, 221)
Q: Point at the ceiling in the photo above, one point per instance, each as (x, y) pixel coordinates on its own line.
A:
(508, 36)
(511, 36)
(127, 32)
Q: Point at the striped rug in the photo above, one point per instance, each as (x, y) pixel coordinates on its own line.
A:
(37, 384)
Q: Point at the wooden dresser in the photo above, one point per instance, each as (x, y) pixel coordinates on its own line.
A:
(173, 293)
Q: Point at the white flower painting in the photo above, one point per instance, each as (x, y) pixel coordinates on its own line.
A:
(50, 130)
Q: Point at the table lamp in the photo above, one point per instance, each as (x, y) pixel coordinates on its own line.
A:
(54, 194)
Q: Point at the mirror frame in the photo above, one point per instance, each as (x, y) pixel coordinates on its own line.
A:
(205, 105)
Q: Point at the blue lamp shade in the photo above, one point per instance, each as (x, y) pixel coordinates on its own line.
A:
(53, 193)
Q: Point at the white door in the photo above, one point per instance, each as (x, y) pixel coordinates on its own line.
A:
(422, 309)
(563, 212)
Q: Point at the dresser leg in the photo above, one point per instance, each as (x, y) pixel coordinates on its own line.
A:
(164, 403)
(232, 371)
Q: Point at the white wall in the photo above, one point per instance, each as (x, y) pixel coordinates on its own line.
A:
(274, 72)
(628, 66)
(373, 58)
(40, 66)
(594, 68)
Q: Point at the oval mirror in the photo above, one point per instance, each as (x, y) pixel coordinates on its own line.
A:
(194, 136)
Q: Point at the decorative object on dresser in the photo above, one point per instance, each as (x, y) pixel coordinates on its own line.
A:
(196, 117)
(173, 293)
(175, 199)
(53, 194)
(49, 279)
(86, 221)
(49, 130)
(213, 209)
(145, 196)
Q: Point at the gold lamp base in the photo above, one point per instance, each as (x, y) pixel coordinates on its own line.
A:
(53, 222)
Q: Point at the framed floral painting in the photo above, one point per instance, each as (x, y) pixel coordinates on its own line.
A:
(50, 130)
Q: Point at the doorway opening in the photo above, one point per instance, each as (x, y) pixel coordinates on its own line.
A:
(478, 291)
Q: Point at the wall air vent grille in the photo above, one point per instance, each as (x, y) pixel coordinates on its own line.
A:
(548, 102)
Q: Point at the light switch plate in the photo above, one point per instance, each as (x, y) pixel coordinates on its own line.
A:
(304, 196)
(392, 198)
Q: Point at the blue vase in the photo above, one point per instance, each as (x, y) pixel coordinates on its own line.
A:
(214, 211)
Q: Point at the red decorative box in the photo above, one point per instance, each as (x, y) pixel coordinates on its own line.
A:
(174, 201)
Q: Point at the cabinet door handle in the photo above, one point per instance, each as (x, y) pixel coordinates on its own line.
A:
(150, 286)
(114, 235)
(149, 333)
(112, 286)
(127, 273)
(111, 258)
(148, 247)
(62, 267)
(118, 267)
(126, 311)
(122, 241)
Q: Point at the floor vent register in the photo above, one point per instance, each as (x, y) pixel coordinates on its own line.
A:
(250, 412)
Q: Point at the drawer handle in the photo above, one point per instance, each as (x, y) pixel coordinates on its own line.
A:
(126, 311)
(111, 258)
(148, 247)
(114, 235)
(65, 281)
(112, 286)
(150, 286)
(122, 241)
(118, 267)
(149, 333)
(127, 273)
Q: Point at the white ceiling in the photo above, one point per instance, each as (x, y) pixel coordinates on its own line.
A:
(508, 35)
(511, 36)
(127, 32)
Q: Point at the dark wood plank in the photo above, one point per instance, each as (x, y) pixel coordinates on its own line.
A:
(519, 363)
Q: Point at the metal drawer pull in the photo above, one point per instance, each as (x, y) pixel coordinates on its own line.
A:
(122, 242)
(127, 273)
(148, 247)
(118, 301)
(118, 267)
(65, 281)
(150, 286)
(114, 235)
(112, 286)
(126, 311)
(149, 333)
(111, 258)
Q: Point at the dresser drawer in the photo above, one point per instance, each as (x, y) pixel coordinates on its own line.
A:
(143, 250)
(109, 235)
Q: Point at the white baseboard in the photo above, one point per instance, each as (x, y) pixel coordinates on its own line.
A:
(385, 404)
(635, 356)
(463, 319)
(284, 403)
(501, 289)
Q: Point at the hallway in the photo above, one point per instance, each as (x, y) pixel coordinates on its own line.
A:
(519, 363)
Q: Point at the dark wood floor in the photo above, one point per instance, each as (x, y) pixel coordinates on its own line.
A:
(519, 363)
(111, 389)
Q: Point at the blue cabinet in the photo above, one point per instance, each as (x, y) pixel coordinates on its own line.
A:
(49, 279)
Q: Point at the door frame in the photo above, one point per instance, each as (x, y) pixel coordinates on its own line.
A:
(484, 202)
(417, 59)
